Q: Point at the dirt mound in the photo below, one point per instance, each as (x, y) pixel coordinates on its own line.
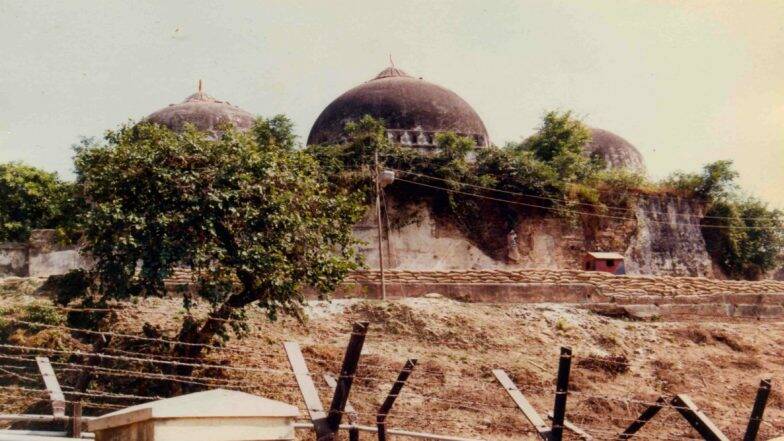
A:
(619, 366)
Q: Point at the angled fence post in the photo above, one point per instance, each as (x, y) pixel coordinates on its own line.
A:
(756, 412)
(644, 417)
(327, 425)
(582, 434)
(52, 386)
(561, 392)
(522, 403)
(346, 378)
(308, 389)
(698, 420)
(383, 411)
(351, 414)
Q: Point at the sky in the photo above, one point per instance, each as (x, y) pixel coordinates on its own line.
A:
(685, 82)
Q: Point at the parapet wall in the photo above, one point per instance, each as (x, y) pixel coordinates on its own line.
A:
(664, 296)
(630, 296)
(605, 282)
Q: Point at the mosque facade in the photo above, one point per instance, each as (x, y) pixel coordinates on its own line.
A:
(414, 112)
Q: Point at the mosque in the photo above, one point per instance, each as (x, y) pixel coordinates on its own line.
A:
(414, 111)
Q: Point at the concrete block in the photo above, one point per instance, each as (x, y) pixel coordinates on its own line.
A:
(214, 415)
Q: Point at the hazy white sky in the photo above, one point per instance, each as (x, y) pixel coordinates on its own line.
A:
(686, 82)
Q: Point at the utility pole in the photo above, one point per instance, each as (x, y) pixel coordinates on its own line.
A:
(380, 232)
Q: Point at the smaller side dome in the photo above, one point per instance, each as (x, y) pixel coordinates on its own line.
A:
(616, 151)
(204, 112)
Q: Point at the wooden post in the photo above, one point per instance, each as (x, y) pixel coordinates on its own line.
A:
(351, 414)
(308, 389)
(698, 420)
(52, 386)
(76, 422)
(756, 412)
(380, 230)
(531, 414)
(383, 411)
(570, 426)
(522, 403)
(86, 376)
(346, 378)
(646, 416)
(561, 392)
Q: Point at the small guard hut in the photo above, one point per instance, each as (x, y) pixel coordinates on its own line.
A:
(213, 415)
(605, 262)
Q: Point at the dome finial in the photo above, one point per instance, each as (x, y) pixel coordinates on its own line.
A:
(391, 61)
(201, 87)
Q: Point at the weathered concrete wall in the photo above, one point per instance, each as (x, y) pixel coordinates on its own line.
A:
(13, 259)
(55, 262)
(668, 239)
(421, 243)
(41, 256)
(661, 235)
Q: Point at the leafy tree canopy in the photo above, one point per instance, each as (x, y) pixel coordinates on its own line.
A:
(744, 236)
(32, 198)
(717, 181)
(252, 217)
(559, 143)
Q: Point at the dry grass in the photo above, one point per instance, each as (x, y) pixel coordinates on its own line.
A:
(618, 364)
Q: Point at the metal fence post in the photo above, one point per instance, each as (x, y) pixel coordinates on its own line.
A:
(756, 412)
(561, 392)
(383, 411)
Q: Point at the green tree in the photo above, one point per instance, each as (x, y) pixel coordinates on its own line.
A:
(560, 143)
(717, 181)
(743, 236)
(277, 131)
(32, 198)
(252, 218)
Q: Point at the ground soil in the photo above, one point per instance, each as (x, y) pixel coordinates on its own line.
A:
(619, 366)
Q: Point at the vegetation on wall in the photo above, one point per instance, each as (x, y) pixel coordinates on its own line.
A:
(545, 173)
(549, 173)
(31, 198)
(742, 234)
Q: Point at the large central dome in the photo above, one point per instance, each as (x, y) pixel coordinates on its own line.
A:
(413, 110)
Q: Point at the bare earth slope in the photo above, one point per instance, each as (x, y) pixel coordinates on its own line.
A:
(619, 365)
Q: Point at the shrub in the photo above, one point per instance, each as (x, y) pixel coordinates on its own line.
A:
(743, 236)
(32, 198)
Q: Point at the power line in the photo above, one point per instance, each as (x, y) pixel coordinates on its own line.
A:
(607, 216)
(567, 202)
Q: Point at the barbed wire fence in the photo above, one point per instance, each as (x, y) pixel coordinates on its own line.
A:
(23, 371)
